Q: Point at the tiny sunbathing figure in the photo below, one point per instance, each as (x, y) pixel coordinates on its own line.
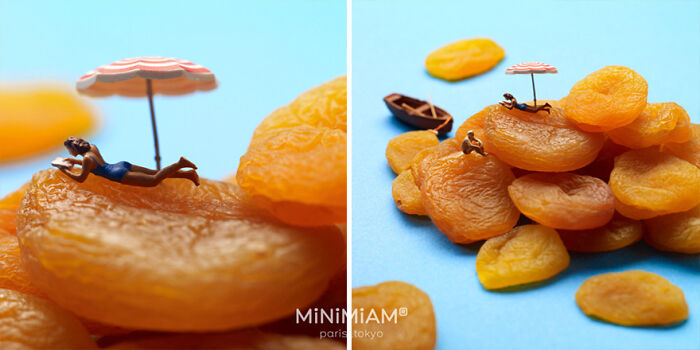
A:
(122, 172)
(511, 103)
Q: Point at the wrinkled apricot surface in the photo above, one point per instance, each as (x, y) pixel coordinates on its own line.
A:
(248, 340)
(298, 174)
(606, 99)
(604, 163)
(424, 159)
(539, 141)
(36, 323)
(39, 120)
(171, 257)
(401, 149)
(8, 211)
(690, 150)
(464, 58)
(648, 183)
(563, 200)
(406, 194)
(657, 124)
(618, 233)
(414, 331)
(632, 298)
(526, 254)
(679, 232)
(466, 196)
(323, 106)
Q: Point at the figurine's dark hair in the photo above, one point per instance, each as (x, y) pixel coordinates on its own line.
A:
(77, 144)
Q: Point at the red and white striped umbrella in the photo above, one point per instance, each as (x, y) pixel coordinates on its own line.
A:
(531, 68)
(147, 76)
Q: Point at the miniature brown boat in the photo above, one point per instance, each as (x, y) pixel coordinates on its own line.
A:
(417, 113)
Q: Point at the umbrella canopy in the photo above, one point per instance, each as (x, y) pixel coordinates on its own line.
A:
(146, 76)
(127, 77)
(531, 68)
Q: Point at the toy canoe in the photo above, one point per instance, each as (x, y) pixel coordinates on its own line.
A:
(417, 113)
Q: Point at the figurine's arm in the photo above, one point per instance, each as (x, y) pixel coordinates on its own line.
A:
(84, 172)
(74, 161)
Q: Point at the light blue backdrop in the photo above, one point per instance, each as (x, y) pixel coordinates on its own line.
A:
(659, 39)
(264, 53)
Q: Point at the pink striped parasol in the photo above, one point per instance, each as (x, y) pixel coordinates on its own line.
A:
(146, 76)
(531, 68)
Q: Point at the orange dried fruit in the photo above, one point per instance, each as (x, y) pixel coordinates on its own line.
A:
(604, 163)
(36, 323)
(607, 99)
(39, 120)
(299, 175)
(464, 58)
(178, 257)
(632, 298)
(679, 232)
(526, 254)
(248, 340)
(648, 183)
(563, 200)
(12, 273)
(401, 149)
(474, 123)
(657, 124)
(618, 233)
(322, 106)
(8, 210)
(466, 196)
(423, 159)
(689, 151)
(406, 194)
(295, 166)
(414, 330)
(539, 141)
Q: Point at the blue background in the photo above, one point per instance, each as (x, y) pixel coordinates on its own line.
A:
(658, 39)
(264, 54)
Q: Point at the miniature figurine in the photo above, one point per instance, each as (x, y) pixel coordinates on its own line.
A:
(511, 103)
(122, 172)
(471, 143)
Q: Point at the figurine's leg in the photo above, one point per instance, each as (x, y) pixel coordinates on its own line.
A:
(187, 174)
(141, 169)
(147, 180)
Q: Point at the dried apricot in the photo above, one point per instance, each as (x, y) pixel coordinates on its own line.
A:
(679, 232)
(39, 324)
(648, 183)
(171, 257)
(406, 194)
(604, 163)
(466, 196)
(377, 311)
(563, 200)
(464, 58)
(539, 141)
(401, 149)
(12, 273)
(298, 174)
(618, 233)
(322, 106)
(39, 120)
(607, 99)
(474, 123)
(689, 151)
(424, 158)
(632, 298)
(526, 254)
(657, 124)
(248, 340)
(8, 210)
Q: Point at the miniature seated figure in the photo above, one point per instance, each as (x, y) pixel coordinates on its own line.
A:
(122, 172)
(511, 103)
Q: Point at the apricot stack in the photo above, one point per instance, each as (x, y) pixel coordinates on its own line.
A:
(599, 171)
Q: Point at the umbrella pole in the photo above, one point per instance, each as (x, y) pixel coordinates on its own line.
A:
(532, 75)
(149, 91)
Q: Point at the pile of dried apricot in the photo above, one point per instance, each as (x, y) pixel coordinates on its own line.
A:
(598, 171)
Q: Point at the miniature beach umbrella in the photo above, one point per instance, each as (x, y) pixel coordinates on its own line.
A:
(147, 76)
(531, 68)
